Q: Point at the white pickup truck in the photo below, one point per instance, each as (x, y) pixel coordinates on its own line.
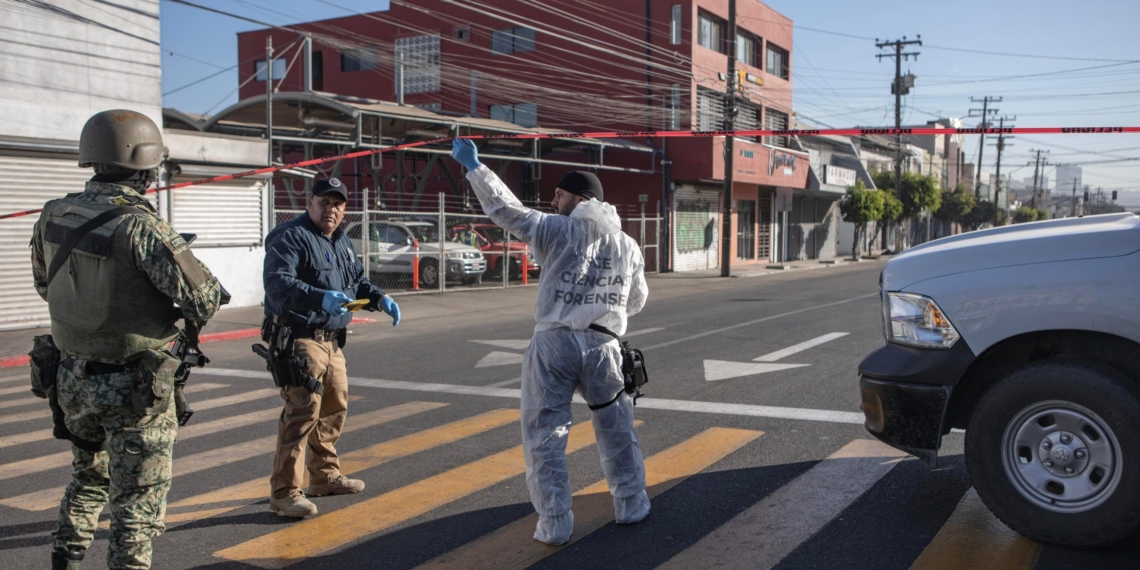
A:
(1027, 337)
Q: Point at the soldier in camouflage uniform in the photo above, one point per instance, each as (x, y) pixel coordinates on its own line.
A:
(112, 309)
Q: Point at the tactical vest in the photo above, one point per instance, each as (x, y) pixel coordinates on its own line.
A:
(102, 306)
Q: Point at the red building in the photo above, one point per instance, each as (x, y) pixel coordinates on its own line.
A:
(578, 65)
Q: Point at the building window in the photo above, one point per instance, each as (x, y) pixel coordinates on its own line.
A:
(318, 71)
(775, 121)
(711, 33)
(521, 114)
(462, 34)
(675, 25)
(358, 59)
(278, 69)
(673, 119)
(710, 109)
(512, 40)
(746, 48)
(747, 117)
(778, 61)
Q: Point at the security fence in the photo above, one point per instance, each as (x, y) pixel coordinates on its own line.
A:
(444, 251)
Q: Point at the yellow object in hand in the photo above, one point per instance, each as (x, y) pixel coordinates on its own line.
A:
(356, 305)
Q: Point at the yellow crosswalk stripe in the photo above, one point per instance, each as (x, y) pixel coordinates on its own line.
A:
(512, 546)
(974, 538)
(323, 533)
(16, 390)
(25, 416)
(13, 379)
(200, 406)
(237, 496)
(225, 423)
(48, 499)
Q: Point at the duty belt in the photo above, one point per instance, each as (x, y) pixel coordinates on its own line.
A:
(94, 368)
(319, 335)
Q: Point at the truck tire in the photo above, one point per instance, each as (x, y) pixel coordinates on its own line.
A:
(1053, 450)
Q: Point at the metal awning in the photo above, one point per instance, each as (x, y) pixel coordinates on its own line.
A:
(357, 123)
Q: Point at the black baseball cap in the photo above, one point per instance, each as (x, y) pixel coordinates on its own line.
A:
(329, 186)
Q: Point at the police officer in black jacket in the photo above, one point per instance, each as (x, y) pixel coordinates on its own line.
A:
(311, 271)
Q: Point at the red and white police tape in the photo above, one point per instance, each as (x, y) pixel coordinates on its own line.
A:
(642, 134)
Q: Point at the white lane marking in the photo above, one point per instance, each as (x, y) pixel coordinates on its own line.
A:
(641, 332)
(505, 383)
(646, 403)
(756, 321)
(774, 356)
(723, 370)
(498, 358)
(767, 532)
(513, 344)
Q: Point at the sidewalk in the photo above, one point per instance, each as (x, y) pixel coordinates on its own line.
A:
(756, 270)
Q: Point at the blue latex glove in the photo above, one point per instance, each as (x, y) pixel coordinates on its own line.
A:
(391, 308)
(465, 153)
(333, 301)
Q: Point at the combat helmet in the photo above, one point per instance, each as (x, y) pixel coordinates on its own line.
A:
(123, 138)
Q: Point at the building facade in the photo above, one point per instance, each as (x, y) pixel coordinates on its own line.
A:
(568, 67)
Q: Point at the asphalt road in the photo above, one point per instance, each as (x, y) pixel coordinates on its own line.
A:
(756, 454)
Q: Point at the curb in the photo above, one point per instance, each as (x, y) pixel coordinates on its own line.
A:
(13, 361)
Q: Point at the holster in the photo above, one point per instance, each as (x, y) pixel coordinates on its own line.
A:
(154, 382)
(44, 359)
(281, 360)
(633, 369)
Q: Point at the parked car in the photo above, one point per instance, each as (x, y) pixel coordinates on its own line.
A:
(491, 239)
(393, 244)
(1027, 337)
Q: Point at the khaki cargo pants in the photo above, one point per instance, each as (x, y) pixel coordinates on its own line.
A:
(311, 420)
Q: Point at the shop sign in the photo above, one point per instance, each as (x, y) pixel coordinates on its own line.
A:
(838, 176)
(783, 160)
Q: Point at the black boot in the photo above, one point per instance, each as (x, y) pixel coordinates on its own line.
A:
(66, 559)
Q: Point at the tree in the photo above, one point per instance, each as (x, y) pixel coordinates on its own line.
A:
(1042, 214)
(892, 207)
(955, 205)
(859, 207)
(981, 214)
(1024, 214)
(920, 193)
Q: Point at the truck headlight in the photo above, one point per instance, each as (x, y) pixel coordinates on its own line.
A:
(464, 255)
(916, 320)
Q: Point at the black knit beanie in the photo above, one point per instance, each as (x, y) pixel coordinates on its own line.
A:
(584, 184)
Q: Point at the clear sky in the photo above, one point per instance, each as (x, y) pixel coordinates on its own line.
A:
(837, 79)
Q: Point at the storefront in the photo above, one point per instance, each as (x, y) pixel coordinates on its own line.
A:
(698, 172)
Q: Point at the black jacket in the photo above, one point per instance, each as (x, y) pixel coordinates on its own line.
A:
(301, 263)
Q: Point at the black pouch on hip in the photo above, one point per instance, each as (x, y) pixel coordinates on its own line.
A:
(154, 382)
(634, 374)
(44, 359)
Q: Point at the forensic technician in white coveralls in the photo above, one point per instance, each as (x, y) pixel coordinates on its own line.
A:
(592, 273)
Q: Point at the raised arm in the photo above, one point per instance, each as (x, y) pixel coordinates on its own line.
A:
(498, 202)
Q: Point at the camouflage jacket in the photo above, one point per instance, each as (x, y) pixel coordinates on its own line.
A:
(156, 249)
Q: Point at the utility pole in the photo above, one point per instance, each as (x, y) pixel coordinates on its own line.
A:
(729, 151)
(997, 176)
(269, 125)
(985, 113)
(1036, 168)
(1073, 200)
(899, 88)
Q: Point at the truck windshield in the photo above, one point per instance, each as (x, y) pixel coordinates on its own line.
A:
(424, 233)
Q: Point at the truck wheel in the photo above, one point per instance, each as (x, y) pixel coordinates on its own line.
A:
(429, 274)
(1053, 450)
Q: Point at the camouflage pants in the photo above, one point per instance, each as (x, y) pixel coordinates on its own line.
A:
(132, 474)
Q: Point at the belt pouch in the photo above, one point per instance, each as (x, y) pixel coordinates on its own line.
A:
(44, 359)
(154, 382)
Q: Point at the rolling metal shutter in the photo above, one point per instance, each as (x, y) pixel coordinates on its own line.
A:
(696, 228)
(25, 184)
(224, 214)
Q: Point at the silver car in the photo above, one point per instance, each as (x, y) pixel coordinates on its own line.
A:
(393, 251)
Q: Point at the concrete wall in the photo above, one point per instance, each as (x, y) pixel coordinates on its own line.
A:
(56, 70)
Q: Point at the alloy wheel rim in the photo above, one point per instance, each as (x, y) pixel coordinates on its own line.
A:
(1061, 456)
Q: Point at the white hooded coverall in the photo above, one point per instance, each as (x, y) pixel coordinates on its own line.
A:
(591, 273)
